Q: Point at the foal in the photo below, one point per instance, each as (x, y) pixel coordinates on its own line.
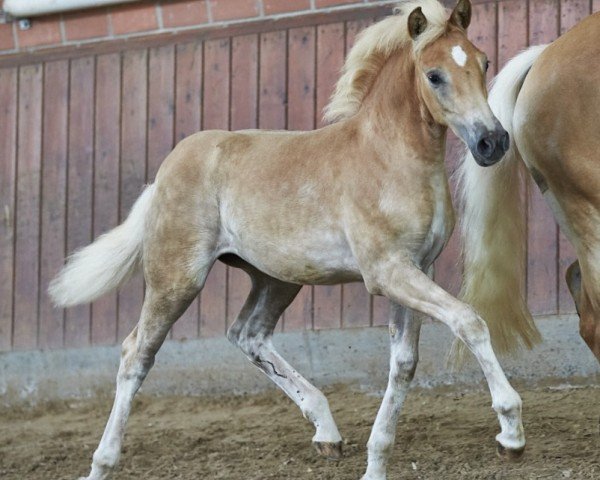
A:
(363, 199)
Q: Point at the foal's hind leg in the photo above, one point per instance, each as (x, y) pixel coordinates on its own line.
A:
(252, 332)
(404, 355)
(160, 310)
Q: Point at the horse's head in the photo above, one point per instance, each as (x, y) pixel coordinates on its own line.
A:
(451, 79)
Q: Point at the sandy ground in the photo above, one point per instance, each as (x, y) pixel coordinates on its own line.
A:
(441, 435)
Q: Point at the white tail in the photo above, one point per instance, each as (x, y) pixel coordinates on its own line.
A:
(105, 264)
(493, 227)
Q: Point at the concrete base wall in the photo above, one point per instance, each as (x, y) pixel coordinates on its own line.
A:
(356, 356)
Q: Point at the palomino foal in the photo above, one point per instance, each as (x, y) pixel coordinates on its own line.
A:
(365, 198)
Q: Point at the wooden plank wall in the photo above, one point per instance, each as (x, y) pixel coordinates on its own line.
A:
(81, 136)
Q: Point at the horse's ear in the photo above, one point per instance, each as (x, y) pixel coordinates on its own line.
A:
(461, 15)
(417, 23)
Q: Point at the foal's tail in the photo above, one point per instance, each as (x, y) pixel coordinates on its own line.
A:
(105, 264)
(493, 227)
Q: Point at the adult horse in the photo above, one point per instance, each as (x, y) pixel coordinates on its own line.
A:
(549, 96)
(365, 198)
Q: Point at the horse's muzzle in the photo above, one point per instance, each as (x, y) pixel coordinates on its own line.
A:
(490, 146)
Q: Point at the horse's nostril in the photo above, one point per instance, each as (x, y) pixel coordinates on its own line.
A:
(485, 147)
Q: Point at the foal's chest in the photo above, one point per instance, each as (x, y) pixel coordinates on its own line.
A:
(425, 217)
(441, 225)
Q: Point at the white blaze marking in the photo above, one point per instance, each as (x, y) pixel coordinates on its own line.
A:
(459, 56)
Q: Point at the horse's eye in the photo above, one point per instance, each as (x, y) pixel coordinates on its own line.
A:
(487, 65)
(435, 79)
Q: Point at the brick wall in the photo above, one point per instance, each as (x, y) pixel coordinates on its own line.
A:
(145, 18)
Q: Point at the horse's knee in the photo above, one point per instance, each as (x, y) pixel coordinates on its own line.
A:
(469, 326)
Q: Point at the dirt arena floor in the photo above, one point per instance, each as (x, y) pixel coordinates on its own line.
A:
(441, 435)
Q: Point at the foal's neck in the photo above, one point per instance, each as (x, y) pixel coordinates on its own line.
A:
(394, 112)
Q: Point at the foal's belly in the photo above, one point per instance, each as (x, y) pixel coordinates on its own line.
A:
(312, 258)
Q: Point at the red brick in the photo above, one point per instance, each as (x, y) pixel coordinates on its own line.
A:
(7, 42)
(43, 31)
(89, 24)
(332, 3)
(134, 18)
(281, 6)
(233, 9)
(180, 14)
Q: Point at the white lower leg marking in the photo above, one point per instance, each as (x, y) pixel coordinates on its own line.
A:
(404, 333)
(132, 371)
(409, 286)
(312, 402)
(459, 55)
(108, 452)
(252, 332)
(137, 358)
(470, 328)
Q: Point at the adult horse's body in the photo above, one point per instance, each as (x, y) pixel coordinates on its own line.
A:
(365, 198)
(549, 97)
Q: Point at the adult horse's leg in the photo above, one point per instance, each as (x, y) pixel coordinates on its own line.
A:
(573, 279)
(405, 284)
(252, 332)
(404, 355)
(589, 326)
(160, 310)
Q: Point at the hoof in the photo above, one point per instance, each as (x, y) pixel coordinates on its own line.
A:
(328, 450)
(509, 454)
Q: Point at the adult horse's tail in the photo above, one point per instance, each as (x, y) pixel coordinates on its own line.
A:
(105, 264)
(493, 227)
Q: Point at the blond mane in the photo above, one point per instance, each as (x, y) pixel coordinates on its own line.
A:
(374, 46)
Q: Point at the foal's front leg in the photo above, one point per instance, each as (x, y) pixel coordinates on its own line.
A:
(405, 284)
(404, 354)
